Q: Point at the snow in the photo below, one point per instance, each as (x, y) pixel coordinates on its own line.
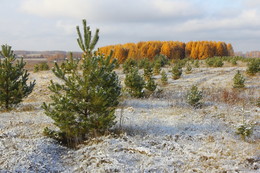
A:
(160, 134)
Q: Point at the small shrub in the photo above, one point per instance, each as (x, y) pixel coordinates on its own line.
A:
(245, 130)
(218, 62)
(233, 61)
(41, 67)
(44, 66)
(188, 68)
(214, 62)
(36, 68)
(197, 64)
(239, 80)
(164, 78)
(134, 83)
(176, 71)
(210, 62)
(253, 67)
(194, 96)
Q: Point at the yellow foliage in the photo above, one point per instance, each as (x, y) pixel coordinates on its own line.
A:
(171, 49)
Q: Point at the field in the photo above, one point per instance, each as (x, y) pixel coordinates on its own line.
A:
(161, 133)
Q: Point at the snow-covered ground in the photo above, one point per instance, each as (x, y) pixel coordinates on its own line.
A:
(160, 134)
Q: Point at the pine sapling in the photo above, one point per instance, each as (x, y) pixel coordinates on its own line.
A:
(188, 68)
(245, 130)
(194, 96)
(253, 67)
(13, 79)
(239, 80)
(83, 104)
(134, 83)
(197, 64)
(151, 85)
(128, 65)
(157, 67)
(176, 71)
(218, 62)
(148, 70)
(164, 78)
(36, 68)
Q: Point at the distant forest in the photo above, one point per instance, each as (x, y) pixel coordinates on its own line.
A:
(149, 49)
(48, 55)
(171, 49)
(251, 54)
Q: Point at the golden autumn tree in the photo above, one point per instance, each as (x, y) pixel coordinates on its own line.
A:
(206, 50)
(195, 50)
(220, 50)
(188, 48)
(133, 52)
(166, 49)
(154, 49)
(120, 53)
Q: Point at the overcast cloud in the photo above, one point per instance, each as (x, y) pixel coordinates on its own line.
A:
(50, 24)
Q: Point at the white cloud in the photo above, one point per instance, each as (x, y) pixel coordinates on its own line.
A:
(175, 8)
(66, 27)
(112, 10)
(248, 19)
(252, 3)
(50, 8)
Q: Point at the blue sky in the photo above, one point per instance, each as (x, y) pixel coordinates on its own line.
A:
(50, 24)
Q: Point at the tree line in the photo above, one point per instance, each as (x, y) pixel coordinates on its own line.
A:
(172, 49)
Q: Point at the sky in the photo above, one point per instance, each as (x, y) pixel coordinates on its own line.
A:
(51, 24)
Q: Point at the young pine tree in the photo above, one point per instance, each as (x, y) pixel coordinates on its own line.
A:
(148, 70)
(134, 83)
(188, 68)
(151, 85)
(196, 64)
(13, 79)
(164, 78)
(194, 96)
(157, 67)
(84, 103)
(128, 65)
(253, 67)
(218, 62)
(36, 68)
(239, 80)
(176, 71)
